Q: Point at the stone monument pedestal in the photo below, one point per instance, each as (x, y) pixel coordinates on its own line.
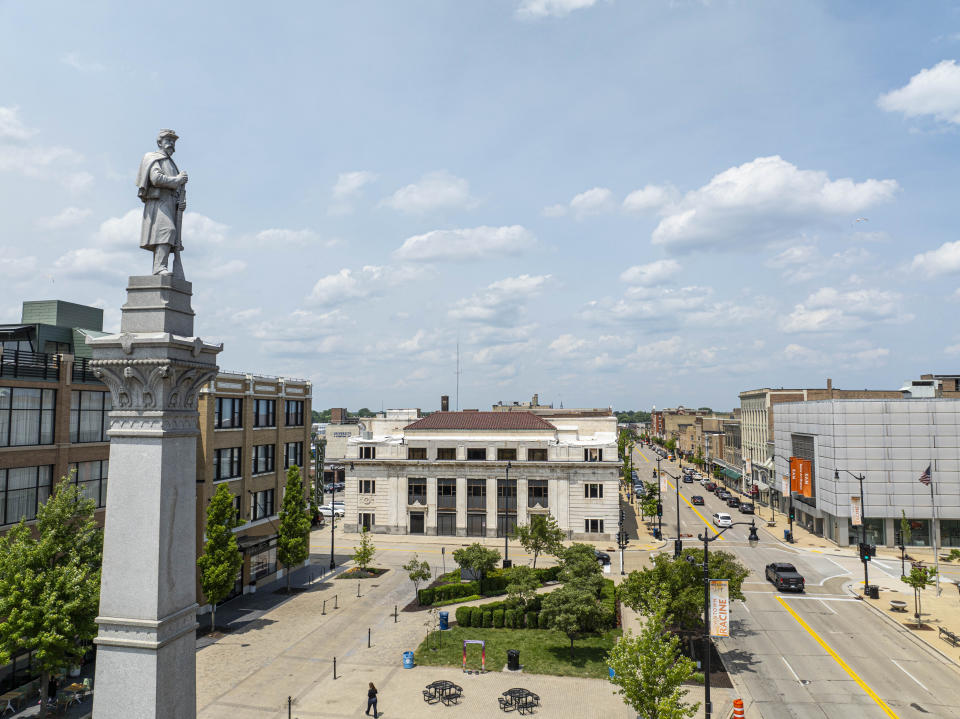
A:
(155, 368)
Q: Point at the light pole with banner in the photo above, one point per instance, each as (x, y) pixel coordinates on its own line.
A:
(864, 548)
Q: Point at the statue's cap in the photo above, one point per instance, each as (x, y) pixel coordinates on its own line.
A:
(167, 133)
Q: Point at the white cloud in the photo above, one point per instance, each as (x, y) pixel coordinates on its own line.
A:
(74, 60)
(535, 9)
(594, 201)
(942, 261)
(96, 263)
(37, 161)
(370, 281)
(952, 350)
(435, 191)
(829, 309)
(662, 348)
(795, 256)
(285, 237)
(348, 188)
(11, 127)
(761, 200)
(651, 197)
(67, 217)
(201, 230)
(555, 210)
(466, 244)
(567, 345)
(218, 270)
(501, 302)
(14, 268)
(933, 91)
(654, 273)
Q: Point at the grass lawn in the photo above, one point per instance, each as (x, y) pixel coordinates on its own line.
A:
(541, 651)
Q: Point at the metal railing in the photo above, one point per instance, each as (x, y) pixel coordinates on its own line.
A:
(81, 371)
(29, 365)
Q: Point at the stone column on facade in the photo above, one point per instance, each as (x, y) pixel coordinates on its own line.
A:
(430, 514)
(522, 516)
(491, 506)
(461, 506)
(154, 368)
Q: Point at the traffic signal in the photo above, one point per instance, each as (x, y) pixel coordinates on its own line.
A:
(867, 551)
(621, 516)
(677, 548)
(659, 509)
(791, 514)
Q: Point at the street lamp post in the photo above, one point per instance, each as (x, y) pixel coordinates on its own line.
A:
(863, 526)
(506, 519)
(659, 501)
(333, 512)
(753, 539)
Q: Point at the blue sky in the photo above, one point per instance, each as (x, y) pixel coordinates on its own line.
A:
(609, 202)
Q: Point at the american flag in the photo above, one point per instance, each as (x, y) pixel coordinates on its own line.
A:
(925, 477)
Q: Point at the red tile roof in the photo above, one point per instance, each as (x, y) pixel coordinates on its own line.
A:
(481, 420)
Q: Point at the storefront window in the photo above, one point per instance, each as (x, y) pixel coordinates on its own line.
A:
(263, 560)
(950, 532)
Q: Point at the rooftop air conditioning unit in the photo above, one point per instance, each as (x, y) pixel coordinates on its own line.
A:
(368, 435)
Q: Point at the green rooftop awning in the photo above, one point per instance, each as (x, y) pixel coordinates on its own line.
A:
(730, 473)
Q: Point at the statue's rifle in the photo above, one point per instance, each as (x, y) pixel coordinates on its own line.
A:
(178, 246)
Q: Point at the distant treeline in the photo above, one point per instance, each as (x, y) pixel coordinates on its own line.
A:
(324, 416)
(632, 415)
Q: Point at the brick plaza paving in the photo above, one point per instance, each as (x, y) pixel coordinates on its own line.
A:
(287, 649)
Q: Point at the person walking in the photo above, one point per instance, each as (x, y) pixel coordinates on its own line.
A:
(372, 700)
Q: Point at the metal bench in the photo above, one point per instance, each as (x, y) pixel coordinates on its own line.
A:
(949, 636)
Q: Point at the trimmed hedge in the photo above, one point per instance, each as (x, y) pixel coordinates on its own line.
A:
(462, 616)
(543, 621)
(533, 620)
(488, 620)
(476, 617)
(510, 616)
(498, 619)
(446, 592)
(458, 600)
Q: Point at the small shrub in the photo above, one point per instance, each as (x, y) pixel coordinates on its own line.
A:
(476, 617)
(510, 618)
(487, 620)
(532, 620)
(498, 619)
(458, 600)
(463, 616)
(425, 596)
(543, 621)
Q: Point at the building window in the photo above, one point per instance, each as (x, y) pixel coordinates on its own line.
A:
(226, 463)
(91, 478)
(949, 532)
(368, 486)
(228, 413)
(536, 455)
(236, 509)
(368, 453)
(447, 493)
(416, 523)
(26, 416)
(592, 455)
(506, 455)
(537, 493)
(293, 455)
(593, 526)
(263, 559)
(507, 495)
(476, 454)
(294, 413)
(447, 524)
(264, 413)
(366, 521)
(262, 504)
(416, 491)
(447, 453)
(22, 490)
(476, 525)
(416, 452)
(593, 491)
(476, 494)
(263, 458)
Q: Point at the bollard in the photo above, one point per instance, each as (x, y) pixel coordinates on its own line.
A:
(334, 667)
(324, 607)
(358, 590)
(395, 609)
(336, 601)
(368, 637)
(289, 707)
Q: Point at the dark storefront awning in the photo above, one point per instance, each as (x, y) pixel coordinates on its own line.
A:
(729, 473)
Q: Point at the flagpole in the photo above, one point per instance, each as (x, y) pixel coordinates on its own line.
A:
(933, 531)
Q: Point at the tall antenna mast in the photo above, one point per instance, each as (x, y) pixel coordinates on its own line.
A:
(458, 373)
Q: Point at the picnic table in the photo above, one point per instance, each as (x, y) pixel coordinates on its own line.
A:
(442, 691)
(522, 700)
(11, 700)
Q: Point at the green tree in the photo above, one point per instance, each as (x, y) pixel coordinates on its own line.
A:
(221, 558)
(649, 669)
(418, 571)
(905, 532)
(682, 584)
(478, 559)
(671, 444)
(293, 535)
(648, 505)
(522, 585)
(542, 535)
(50, 583)
(572, 609)
(363, 554)
(580, 568)
(920, 578)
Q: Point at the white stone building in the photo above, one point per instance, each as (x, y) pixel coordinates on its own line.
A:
(480, 473)
(889, 442)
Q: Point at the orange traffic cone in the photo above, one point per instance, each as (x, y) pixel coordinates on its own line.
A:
(738, 709)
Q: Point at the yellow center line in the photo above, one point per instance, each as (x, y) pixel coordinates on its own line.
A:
(715, 530)
(642, 455)
(853, 675)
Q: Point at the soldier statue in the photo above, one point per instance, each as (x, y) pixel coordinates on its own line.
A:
(162, 188)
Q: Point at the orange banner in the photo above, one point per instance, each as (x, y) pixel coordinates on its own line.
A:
(796, 484)
(805, 472)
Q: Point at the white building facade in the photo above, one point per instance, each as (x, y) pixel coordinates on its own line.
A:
(481, 473)
(890, 443)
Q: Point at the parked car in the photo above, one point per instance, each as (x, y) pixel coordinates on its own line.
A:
(696, 499)
(746, 507)
(602, 557)
(733, 502)
(327, 511)
(710, 486)
(722, 519)
(688, 479)
(723, 495)
(785, 576)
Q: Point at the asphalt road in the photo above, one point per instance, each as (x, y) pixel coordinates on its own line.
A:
(819, 654)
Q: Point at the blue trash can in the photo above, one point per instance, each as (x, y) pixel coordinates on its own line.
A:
(408, 660)
(612, 673)
(444, 621)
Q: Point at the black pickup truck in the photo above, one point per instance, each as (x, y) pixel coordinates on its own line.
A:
(785, 576)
